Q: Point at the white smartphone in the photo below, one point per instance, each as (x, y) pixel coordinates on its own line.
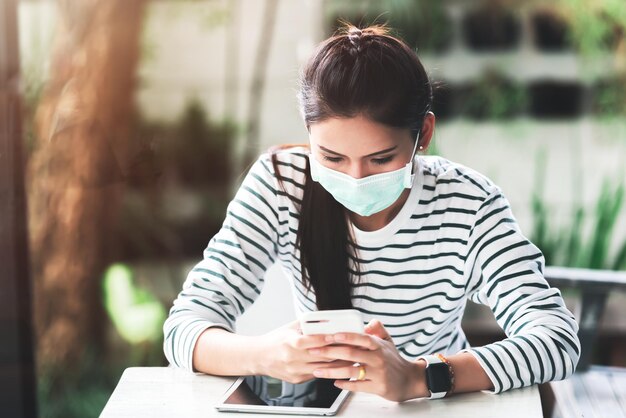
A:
(332, 322)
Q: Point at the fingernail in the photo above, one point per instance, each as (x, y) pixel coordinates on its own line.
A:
(317, 373)
(340, 337)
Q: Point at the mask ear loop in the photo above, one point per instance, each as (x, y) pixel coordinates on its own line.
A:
(408, 179)
(417, 140)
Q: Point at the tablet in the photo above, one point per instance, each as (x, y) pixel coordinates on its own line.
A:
(264, 394)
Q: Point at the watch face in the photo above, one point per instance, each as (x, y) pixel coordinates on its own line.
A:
(438, 377)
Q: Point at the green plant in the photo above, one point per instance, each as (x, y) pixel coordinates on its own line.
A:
(81, 392)
(136, 314)
(540, 235)
(607, 212)
(610, 97)
(567, 245)
(596, 25)
(493, 97)
(424, 25)
(199, 150)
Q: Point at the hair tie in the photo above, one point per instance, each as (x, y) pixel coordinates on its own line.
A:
(355, 38)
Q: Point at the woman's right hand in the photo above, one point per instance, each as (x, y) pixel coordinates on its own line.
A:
(283, 354)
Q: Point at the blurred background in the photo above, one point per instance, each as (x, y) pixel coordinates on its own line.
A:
(138, 119)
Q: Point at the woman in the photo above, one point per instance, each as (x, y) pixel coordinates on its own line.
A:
(403, 238)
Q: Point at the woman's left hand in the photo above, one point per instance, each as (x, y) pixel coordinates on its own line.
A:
(387, 374)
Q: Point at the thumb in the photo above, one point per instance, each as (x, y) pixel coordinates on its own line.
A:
(293, 325)
(375, 327)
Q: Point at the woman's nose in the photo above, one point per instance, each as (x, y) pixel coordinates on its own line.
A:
(357, 171)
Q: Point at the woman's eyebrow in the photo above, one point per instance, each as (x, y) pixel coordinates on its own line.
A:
(368, 155)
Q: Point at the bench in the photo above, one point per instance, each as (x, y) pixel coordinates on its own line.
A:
(595, 286)
(593, 391)
(600, 392)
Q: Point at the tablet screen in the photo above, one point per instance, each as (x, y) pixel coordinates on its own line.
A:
(264, 390)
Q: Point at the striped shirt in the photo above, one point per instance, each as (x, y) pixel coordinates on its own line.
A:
(455, 238)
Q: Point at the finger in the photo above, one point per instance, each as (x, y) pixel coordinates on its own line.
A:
(293, 325)
(359, 340)
(375, 327)
(305, 342)
(345, 372)
(357, 385)
(330, 364)
(344, 352)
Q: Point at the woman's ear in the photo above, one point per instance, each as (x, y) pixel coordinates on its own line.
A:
(428, 128)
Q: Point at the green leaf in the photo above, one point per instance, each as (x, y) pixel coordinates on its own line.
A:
(136, 314)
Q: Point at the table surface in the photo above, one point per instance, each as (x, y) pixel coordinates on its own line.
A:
(170, 392)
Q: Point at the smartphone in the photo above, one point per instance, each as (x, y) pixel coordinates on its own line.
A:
(332, 322)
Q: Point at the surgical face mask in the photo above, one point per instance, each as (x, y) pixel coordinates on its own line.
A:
(367, 195)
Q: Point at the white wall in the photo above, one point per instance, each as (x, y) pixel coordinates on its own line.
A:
(273, 308)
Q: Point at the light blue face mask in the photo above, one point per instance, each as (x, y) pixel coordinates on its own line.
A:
(367, 195)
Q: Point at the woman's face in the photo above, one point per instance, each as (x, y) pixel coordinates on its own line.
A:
(359, 146)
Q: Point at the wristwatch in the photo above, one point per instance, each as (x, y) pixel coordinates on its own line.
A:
(438, 376)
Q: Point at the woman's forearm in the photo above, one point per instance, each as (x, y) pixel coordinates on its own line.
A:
(220, 352)
(469, 376)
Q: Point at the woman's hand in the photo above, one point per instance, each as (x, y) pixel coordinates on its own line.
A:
(387, 374)
(284, 354)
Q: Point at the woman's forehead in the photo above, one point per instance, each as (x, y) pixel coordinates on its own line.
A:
(358, 135)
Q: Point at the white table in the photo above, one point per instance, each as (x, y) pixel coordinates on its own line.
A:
(169, 392)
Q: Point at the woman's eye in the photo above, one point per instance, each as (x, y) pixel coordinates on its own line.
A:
(382, 160)
(332, 159)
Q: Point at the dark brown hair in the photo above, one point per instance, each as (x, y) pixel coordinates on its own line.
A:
(355, 72)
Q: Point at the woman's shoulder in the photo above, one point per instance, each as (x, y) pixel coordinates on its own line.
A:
(284, 164)
(290, 160)
(449, 176)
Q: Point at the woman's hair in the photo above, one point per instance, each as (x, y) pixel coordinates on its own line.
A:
(355, 72)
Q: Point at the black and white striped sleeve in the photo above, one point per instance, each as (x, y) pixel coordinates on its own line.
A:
(230, 277)
(505, 271)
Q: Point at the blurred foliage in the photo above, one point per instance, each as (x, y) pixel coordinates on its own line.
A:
(136, 313)
(567, 245)
(596, 25)
(83, 391)
(138, 318)
(610, 97)
(174, 215)
(493, 97)
(202, 151)
(193, 151)
(424, 25)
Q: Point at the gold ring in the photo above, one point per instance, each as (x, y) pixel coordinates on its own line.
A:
(361, 373)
